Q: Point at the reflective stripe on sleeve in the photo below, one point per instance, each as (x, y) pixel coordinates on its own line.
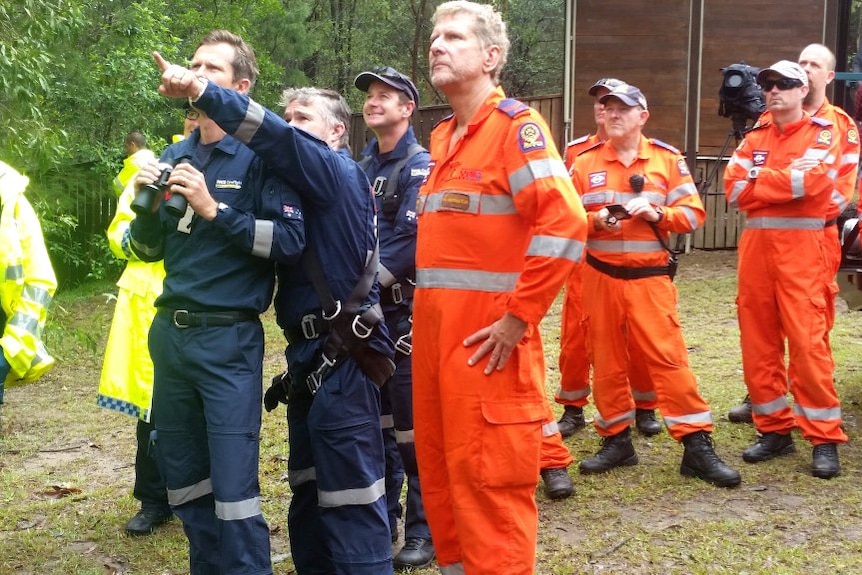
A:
(681, 192)
(744, 162)
(251, 123)
(735, 190)
(797, 184)
(554, 247)
(536, 170)
(14, 272)
(36, 295)
(264, 232)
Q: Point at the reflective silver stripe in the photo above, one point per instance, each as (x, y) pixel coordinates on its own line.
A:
(496, 205)
(702, 417)
(251, 123)
(744, 162)
(550, 429)
(453, 569)
(839, 200)
(571, 395)
(536, 170)
(655, 198)
(264, 232)
(384, 276)
(478, 204)
(606, 423)
(624, 246)
(736, 189)
(493, 282)
(25, 322)
(643, 395)
(404, 436)
(361, 496)
(149, 251)
(681, 192)
(15, 272)
(690, 216)
(296, 477)
(190, 493)
(784, 223)
(387, 421)
(36, 295)
(818, 154)
(554, 247)
(237, 510)
(797, 184)
(817, 413)
(851, 159)
(770, 406)
(606, 197)
(833, 173)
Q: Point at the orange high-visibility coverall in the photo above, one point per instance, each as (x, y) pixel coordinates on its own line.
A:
(782, 266)
(644, 310)
(574, 362)
(499, 229)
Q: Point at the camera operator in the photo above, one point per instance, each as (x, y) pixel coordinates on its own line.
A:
(206, 340)
(783, 176)
(628, 289)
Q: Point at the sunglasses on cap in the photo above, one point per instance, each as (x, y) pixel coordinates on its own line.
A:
(781, 84)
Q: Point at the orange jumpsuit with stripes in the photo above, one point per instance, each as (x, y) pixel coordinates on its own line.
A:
(499, 228)
(574, 362)
(618, 310)
(782, 265)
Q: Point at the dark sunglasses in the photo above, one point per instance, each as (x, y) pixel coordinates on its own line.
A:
(781, 83)
(192, 115)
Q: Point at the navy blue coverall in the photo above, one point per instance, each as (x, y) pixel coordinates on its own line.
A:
(207, 347)
(397, 236)
(337, 518)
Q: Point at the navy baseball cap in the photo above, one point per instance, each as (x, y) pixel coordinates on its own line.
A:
(608, 83)
(391, 77)
(627, 94)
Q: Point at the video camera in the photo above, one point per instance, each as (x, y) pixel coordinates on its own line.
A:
(740, 97)
(176, 204)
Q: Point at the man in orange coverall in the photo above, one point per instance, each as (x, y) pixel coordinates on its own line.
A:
(574, 362)
(499, 229)
(636, 191)
(818, 61)
(783, 175)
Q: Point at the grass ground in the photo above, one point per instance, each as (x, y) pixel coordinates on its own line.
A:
(66, 468)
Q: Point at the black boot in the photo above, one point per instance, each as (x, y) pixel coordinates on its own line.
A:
(824, 461)
(558, 484)
(415, 554)
(646, 422)
(145, 521)
(741, 413)
(571, 421)
(700, 460)
(617, 450)
(769, 446)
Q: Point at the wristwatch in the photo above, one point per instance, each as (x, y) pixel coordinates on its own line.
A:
(222, 207)
(753, 172)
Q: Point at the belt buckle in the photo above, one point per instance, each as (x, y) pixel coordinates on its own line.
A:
(313, 382)
(309, 331)
(179, 314)
(397, 293)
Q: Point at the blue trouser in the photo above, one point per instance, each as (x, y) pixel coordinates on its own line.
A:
(149, 480)
(337, 519)
(394, 465)
(207, 397)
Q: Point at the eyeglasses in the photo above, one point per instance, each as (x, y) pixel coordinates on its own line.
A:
(192, 114)
(781, 84)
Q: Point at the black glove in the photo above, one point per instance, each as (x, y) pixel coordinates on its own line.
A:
(277, 392)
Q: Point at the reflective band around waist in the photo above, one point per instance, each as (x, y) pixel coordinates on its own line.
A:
(361, 496)
(474, 280)
(237, 510)
(767, 223)
(190, 493)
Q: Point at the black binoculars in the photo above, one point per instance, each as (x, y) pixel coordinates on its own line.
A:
(176, 204)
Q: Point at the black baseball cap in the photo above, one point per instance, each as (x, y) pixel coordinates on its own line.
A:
(390, 77)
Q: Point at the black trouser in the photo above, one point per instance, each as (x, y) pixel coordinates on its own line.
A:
(149, 482)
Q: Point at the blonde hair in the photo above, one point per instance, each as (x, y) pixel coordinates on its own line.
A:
(488, 26)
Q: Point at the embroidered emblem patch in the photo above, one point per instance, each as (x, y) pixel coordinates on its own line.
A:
(455, 201)
(598, 179)
(824, 137)
(683, 167)
(228, 184)
(530, 137)
(759, 157)
(291, 212)
(852, 136)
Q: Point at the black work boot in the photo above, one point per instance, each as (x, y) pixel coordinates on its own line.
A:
(145, 521)
(646, 422)
(617, 450)
(824, 461)
(741, 413)
(415, 554)
(558, 484)
(769, 446)
(571, 421)
(700, 460)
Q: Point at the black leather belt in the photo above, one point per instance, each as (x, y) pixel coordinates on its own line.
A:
(625, 273)
(183, 318)
(312, 326)
(396, 293)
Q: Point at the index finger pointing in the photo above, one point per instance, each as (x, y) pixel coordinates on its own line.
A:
(163, 64)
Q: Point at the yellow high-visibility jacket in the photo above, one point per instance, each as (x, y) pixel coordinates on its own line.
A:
(27, 283)
(131, 165)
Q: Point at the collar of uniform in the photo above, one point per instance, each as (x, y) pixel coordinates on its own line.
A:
(486, 109)
(644, 150)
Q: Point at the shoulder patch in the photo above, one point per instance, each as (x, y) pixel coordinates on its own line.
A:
(824, 137)
(664, 145)
(852, 136)
(512, 108)
(682, 166)
(821, 121)
(578, 141)
(531, 137)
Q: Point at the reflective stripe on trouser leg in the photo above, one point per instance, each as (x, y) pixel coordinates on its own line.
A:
(341, 430)
(394, 466)
(220, 368)
(574, 362)
(555, 455)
